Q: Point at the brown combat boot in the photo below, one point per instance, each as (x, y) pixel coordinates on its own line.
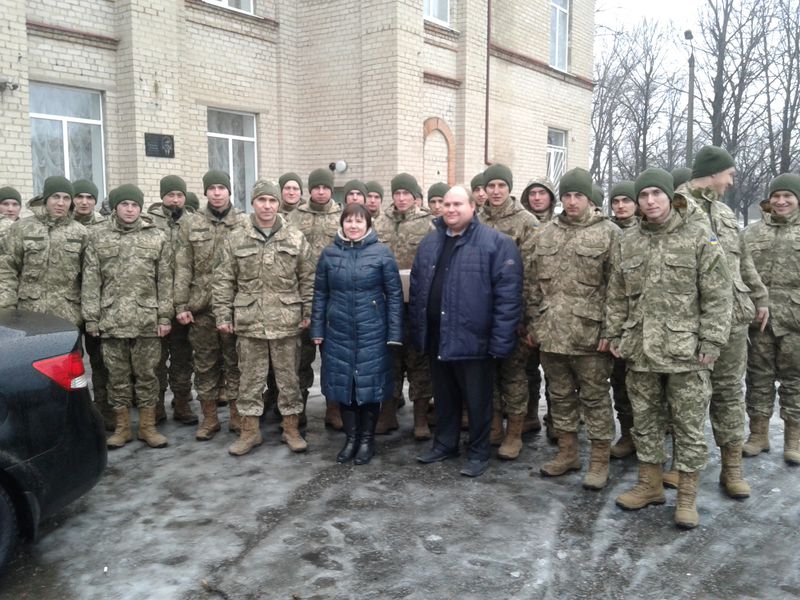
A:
(222, 397)
(291, 434)
(512, 444)
(567, 458)
(161, 412)
(333, 416)
(758, 441)
(234, 420)
(532, 422)
(181, 411)
(624, 446)
(496, 433)
(387, 420)
(210, 423)
(648, 489)
(731, 474)
(686, 516)
(147, 428)
(596, 477)
(791, 442)
(122, 429)
(421, 429)
(249, 438)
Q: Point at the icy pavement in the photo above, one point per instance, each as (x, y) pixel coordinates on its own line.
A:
(191, 522)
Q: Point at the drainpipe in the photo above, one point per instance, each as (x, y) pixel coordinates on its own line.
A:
(488, 58)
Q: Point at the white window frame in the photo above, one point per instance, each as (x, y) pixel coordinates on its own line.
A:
(231, 138)
(65, 121)
(556, 7)
(226, 5)
(426, 11)
(552, 157)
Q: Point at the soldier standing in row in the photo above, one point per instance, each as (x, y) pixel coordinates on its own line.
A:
(355, 192)
(374, 199)
(436, 198)
(291, 192)
(10, 204)
(478, 190)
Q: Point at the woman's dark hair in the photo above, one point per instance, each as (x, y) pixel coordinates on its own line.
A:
(356, 209)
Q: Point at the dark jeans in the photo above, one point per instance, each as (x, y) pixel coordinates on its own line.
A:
(461, 382)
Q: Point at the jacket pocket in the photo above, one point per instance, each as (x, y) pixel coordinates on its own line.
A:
(248, 262)
(546, 261)
(679, 273)
(590, 264)
(585, 335)
(245, 311)
(744, 311)
(633, 275)
(682, 340)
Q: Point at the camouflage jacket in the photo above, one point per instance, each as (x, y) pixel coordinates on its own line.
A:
(127, 280)
(264, 285)
(403, 232)
(90, 220)
(567, 277)
(5, 223)
(749, 291)
(318, 224)
(200, 237)
(774, 244)
(162, 218)
(626, 223)
(287, 209)
(669, 296)
(41, 268)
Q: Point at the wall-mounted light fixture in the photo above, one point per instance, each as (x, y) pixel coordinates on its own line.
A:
(7, 85)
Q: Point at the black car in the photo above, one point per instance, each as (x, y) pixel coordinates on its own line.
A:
(52, 443)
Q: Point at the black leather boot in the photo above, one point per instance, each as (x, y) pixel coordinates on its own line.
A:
(368, 420)
(350, 422)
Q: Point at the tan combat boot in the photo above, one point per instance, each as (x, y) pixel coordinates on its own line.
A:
(731, 474)
(421, 429)
(122, 429)
(567, 458)
(596, 477)
(234, 420)
(291, 434)
(648, 489)
(181, 411)
(210, 423)
(249, 438)
(161, 412)
(387, 420)
(496, 433)
(512, 444)
(532, 422)
(686, 516)
(147, 428)
(624, 446)
(333, 416)
(758, 441)
(791, 442)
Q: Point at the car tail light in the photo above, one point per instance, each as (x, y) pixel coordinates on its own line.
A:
(66, 370)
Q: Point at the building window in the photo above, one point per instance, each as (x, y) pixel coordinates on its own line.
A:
(245, 6)
(232, 148)
(437, 11)
(556, 155)
(559, 33)
(66, 135)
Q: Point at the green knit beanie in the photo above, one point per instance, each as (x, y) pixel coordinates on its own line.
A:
(597, 195)
(405, 181)
(654, 178)
(56, 184)
(623, 188)
(217, 177)
(577, 180)
(375, 187)
(501, 172)
(126, 191)
(9, 193)
(786, 182)
(355, 185)
(84, 186)
(287, 177)
(438, 190)
(680, 175)
(265, 187)
(477, 181)
(320, 177)
(173, 183)
(192, 201)
(710, 160)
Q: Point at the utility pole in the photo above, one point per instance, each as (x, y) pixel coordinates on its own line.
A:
(690, 117)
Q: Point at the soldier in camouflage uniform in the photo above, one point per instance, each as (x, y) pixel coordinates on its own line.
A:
(374, 199)
(668, 306)
(318, 220)
(510, 396)
(712, 175)
(175, 347)
(402, 227)
(567, 289)
(41, 268)
(215, 362)
(436, 198)
(10, 205)
(127, 302)
(478, 190)
(355, 191)
(263, 287)
(775, 350)
(291, 192)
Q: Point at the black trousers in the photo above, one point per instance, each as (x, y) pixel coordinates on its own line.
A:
(461, 382)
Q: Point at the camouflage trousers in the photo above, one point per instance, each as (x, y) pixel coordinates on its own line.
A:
(682, 397)
(410, 364)
(176, 349)
(308, 354)
(216, 366)
(510, 394)
(727, 392)
(94, 349)
(580, 382)
(255, 356)
(622, 404)
(773, 359)
(131, 364)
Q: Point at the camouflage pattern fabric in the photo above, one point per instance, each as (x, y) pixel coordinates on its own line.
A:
(216, 364)
(622, 403)
(403, 232)
(319, 223)
(773, 358)
(255, 355)
(176, 364)
(128, 361)
(99, 370)
(510, 393)
(727, 408)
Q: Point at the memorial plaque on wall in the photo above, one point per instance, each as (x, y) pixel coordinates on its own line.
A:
(159, 145)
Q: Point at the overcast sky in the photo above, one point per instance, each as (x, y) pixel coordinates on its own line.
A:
(613, 13)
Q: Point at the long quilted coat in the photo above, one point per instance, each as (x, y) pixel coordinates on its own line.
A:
(357, 311)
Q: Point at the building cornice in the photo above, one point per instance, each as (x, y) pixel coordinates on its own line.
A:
(539, 66)
(56, 32)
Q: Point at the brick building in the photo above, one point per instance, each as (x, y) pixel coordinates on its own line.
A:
(438, 88)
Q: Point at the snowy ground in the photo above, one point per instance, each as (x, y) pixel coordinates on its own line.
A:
(191, 522)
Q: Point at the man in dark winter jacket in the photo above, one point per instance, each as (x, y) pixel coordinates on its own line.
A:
(465, 305)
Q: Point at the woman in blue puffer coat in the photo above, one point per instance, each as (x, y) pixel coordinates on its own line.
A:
(356, 316)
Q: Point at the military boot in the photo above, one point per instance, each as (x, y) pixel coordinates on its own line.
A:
(686, 516)
(387, 421)
(181, 411)
(624, 446)
(550, 430)
(731, 474)
(122, 429)
(210, 423)
(512, 443)
(496, 433)
(421, 429)
(567, 458)
(249, 438)
(147, 428)
(333, 416)
(596, 477)
(161, 412)
(648, 489)
(234, 420)
(670, 478)
(291, 434)
(791, 442)
(758, 441)
(532, 422)
(222, 397)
